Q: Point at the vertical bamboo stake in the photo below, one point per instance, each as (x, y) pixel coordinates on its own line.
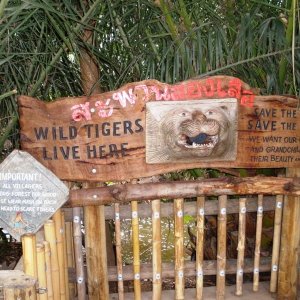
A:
(29, 254)
(136, 250)
(51, 238)
(48, 270)
(64, 243)
(199, 247)
(179, 252)
(290, 235)
(276, 243)
(156, 244)
(221, 251)
(241, 247)
(57, 218)
(41, 270)
(259, 220)
(80, 278)
(119, 251)
(70, 256)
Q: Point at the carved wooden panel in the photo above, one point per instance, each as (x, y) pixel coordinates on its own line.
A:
(191, 131)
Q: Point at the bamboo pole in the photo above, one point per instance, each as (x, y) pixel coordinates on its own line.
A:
(221, 251)
(179, 249)
(156, 244)
(19, 287)
(80, 278)
(29, 254)
(276, 243)
(257, 243)
(48, 270)
(64, 243)
(200, 247)
(41, 271)
(50, 237)
(119, 251)
(289, 258)
(124, 193)
(136, 251)
(241, 247)
(59, 233)
(70, 256)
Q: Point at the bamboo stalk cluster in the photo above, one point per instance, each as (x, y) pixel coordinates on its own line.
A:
(48, 260)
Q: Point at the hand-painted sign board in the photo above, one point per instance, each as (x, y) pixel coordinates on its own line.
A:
(29, 194)
(103, 137)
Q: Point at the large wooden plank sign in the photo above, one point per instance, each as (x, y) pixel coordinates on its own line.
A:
(29, 194)
(212, 122)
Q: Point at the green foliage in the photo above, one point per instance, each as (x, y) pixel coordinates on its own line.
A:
(257, 41)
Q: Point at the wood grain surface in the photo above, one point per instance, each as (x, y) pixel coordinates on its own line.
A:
(102, 137)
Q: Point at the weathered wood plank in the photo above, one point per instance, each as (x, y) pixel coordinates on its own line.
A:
(209, 268)
(102, 136)
(211, 208)
(290, 236)
(186, 189)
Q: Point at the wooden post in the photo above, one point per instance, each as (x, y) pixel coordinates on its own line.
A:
(41, 272)
(80, 278)
(289, 259)
(94, 218)
(136, 251)
(241, 247)
(59, 233)
(48, 270)
(221, 252)
(276, 243)
(200, 247)
(257, 242)
(156, 244)
(51, 238)
(179, 249)
(96, 257)
(18, 286)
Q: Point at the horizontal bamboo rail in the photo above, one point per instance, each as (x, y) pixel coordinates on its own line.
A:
(124, 193)
(211, 208)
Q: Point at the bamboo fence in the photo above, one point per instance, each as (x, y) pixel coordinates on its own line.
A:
(61, 251)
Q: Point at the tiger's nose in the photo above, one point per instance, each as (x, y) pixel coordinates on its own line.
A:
(198, 115)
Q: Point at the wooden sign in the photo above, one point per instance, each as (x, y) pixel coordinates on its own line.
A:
(29, 194)
(103, 137)
(187, 131)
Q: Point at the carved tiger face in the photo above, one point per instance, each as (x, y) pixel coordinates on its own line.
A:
(196, 133)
